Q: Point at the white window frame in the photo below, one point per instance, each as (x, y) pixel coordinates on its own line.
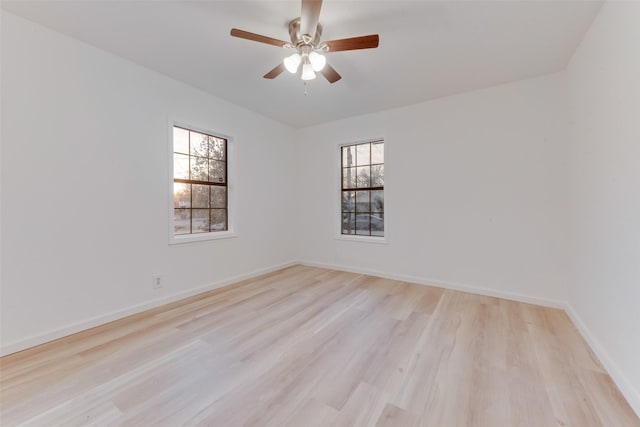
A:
(231, 191)
(338, 205)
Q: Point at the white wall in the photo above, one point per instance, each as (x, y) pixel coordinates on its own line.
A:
(475, 191)
(604, 92)
(85, 186)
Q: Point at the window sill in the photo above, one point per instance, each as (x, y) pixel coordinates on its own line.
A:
(362, 239)
(195, 238)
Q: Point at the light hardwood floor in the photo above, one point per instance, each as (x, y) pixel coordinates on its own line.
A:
(311, 347)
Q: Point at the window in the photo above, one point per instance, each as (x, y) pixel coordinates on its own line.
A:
(200, 194)
(362, 204)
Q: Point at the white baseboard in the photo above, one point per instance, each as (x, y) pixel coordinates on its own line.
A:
(444, 284)
(64, 331)
(626, 388)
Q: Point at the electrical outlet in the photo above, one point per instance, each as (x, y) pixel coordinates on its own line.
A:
(156, 282)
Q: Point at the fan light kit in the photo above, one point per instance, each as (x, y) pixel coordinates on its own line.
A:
(305, 33)
(311, 64)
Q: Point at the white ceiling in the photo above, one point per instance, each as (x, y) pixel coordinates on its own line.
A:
(428, 49)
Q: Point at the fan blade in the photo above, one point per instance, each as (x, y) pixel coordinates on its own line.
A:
(256, 37)
(330, 74)
(309, 17)
(354, 43)
(275, 72)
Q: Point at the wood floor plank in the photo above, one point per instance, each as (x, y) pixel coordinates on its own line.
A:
(364, 407)
(306, 346)
(392, 416)
(312, 413)
(528, 398)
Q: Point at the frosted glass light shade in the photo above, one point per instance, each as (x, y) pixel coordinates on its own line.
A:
(317, 60)
(307, 72)
(292, 62)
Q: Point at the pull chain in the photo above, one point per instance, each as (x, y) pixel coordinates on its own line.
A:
(305, 89)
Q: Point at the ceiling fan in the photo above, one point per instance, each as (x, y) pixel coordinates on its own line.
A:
(305, 33)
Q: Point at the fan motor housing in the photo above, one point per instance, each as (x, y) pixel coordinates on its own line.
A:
(298, 40)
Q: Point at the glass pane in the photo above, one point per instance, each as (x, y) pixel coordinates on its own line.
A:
(377, 201)
(362, 224)
(217, 171)
(181, 195)
(362, 201)
(363, 154)
(377, 176)
(348, 223)
(218, 219)
(200, 221)
(377, 152)
(180, 140)
(181, 166)
(348, 156)
(200, 196)
(364, 178)
(377, 225)
(348, 201)
(217, 148)
(218, 196)
(199, 144)
(199, 168)
(182, 221)
(349, 178)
